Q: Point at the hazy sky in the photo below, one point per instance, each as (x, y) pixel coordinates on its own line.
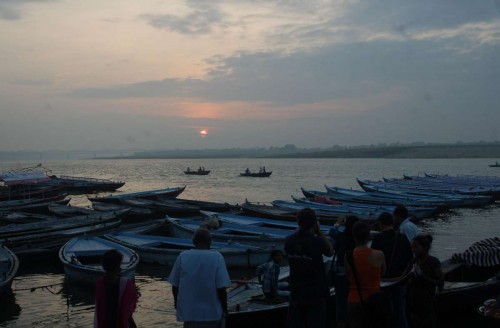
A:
(152, 74)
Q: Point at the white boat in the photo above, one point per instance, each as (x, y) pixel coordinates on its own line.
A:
(9, 264)
(164, 250)
(81, 258)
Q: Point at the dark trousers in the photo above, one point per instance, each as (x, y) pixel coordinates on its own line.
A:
(308, 315)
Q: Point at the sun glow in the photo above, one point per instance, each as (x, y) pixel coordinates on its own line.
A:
(203, 133)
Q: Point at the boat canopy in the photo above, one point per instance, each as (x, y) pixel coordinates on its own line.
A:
(15, 178)
(484, 253)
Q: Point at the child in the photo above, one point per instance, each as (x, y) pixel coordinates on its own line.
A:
(268, 275)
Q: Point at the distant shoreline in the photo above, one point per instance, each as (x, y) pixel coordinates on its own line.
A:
(397, 151)
(401, 152)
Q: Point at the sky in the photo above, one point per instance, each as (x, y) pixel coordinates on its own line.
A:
(196, 74)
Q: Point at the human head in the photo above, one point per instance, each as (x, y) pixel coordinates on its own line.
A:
(400, 214)
(421, 244)
(350, 220)
(386, 220)
(202, 238)
(111, 261)
(306, 219)
(361, 233)
(276, 255)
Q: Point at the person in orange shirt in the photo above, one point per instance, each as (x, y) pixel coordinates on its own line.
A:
(365, 268)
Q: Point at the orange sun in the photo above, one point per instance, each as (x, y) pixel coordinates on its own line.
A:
(203, 133)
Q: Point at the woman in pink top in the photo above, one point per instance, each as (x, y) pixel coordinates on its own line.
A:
(365, 267)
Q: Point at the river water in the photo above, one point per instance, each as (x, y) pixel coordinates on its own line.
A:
(67, 305)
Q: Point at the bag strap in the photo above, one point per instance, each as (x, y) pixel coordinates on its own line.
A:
(350, 260)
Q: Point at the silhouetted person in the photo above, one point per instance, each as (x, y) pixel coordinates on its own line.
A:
(398, 256)
(199, 279)
(116, 296)
(426, 278)
(308, 284)
(404, 224)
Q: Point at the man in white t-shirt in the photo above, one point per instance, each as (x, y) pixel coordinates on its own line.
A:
(406, 227)
(199, 279)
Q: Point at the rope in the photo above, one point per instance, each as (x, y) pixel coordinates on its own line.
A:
(32, 289)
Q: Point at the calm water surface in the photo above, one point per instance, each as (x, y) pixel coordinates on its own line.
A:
(68, 305)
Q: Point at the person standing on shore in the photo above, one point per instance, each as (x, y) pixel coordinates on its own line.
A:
(116, 296)
(199, 279)
(404, 224)
(365, 267)
(427, 276)
(344, 242)
(398, 256)
(308, 283)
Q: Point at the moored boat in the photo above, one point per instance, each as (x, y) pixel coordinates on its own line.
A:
(470, 276)
(148, 194)
(9, 264)
(81, 258)
(164, 250)
(228, 232)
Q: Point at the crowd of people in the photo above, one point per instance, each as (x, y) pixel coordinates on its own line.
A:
(398, 254)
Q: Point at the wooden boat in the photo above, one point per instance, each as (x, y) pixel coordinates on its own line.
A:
(228, 232)
(379, 198)
(9, 204)
(283, 213)
(9, 264)
(470, 276)
(268, 211)
(7, 233)
(81, 258)
(324, 210)
(197, 172)
(247, 306)
(467, 200)
(148, 194)
(256, 174)
(201, 205)
(164, 250)
(258, 222)
(47, 247)
(495, 165)
(345, 201)
(39, 177)
(39, 208)
(135, 214)
(68, 210)
(162, 207)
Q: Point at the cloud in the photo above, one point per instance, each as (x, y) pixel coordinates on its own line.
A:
(325, 74)
(10, 9)
(201, 19)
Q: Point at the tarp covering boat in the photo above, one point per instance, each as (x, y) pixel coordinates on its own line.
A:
(484, 253)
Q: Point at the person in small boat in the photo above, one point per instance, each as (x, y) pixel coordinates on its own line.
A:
(309, 290)
(365, 267)
(427, 276)
(116, 296)
(199, 280)
(343, 242)
(398, 257)
(403, 223)
(268, 275)
(188, 169)
(263, 169)
(247, 171)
